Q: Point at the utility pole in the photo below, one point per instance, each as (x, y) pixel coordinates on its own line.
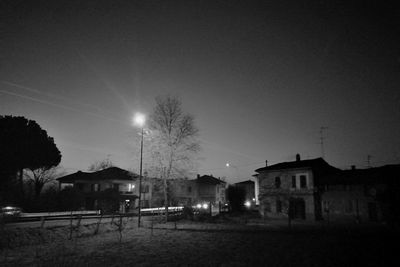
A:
(321, 138)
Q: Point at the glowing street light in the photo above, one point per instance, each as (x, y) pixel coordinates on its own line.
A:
(139, 120)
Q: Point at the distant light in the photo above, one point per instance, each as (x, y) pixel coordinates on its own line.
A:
(227, 164)
(139, 119)
(247, 204)
(254, 199)
(205, 206)
(198, 206)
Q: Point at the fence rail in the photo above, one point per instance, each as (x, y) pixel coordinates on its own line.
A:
(62, 213)
(86, 214)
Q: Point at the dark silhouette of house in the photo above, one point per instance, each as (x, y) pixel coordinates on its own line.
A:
(361, 194)
(249, 189)
(122, 181)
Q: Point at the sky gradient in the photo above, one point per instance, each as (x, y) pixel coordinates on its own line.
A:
(260, 78)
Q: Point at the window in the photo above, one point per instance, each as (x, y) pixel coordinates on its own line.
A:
(277, 182)
(293, 181)
(116, 186)
(326, 205)
(190, 189)
(278, 206)
(267, 207)
(145, 188)
(303, 181)
(80, 186)
(94, 187)
(131, 187)
(349, 206)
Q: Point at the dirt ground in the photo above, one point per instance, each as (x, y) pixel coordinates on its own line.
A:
(199, 244)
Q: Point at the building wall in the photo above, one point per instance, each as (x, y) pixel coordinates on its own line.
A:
(275, 194)
(249, 189)
(183, 192)
(351, 203)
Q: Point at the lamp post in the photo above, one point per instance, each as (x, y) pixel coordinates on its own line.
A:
(139, 120)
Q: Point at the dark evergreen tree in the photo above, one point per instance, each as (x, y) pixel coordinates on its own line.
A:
(24, 144)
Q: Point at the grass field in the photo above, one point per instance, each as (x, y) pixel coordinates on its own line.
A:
(203, 244)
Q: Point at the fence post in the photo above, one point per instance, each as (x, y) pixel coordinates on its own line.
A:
(152, 222)
(175, 219)
(70, 227)
(98, 225)
(42, 220)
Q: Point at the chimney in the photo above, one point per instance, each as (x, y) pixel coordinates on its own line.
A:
(198, 176)
(266, 163)
(353, 167)
(297, 157)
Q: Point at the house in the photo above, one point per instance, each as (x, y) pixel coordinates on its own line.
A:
(249, 189)
(361, 194)
(211, 189)
(314, 190)
(204, 189)
(181, 192)
(292, 185)
(124, 182)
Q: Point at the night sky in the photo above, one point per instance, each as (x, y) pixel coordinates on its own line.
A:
(260, 78)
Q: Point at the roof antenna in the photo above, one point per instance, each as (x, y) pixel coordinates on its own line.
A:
(321, 138)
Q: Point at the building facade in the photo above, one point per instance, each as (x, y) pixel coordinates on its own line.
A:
(250, 194)
(92, 184)
(314, 190)
(290, 187)
(181, 192)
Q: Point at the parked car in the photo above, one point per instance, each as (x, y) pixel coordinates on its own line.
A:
(10, 211)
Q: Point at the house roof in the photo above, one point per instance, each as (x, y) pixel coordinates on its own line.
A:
(388, 174)
(207, 179)
(308, 163)
(319, 167)
(245, 182)
(112, 173)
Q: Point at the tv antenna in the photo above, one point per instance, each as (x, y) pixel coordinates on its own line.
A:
(322, 138)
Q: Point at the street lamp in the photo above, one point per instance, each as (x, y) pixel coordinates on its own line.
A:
(139, 120)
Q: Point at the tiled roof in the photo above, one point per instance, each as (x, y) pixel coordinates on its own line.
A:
(311, 163)
(245, 182)
(112, 173)
(318, 166)
(207, 179)
(388, 174)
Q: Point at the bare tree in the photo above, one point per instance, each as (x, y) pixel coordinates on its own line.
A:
(41, 176)
(172, 141)
(101, 165)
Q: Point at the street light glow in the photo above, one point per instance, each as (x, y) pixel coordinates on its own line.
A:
(139, 119)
